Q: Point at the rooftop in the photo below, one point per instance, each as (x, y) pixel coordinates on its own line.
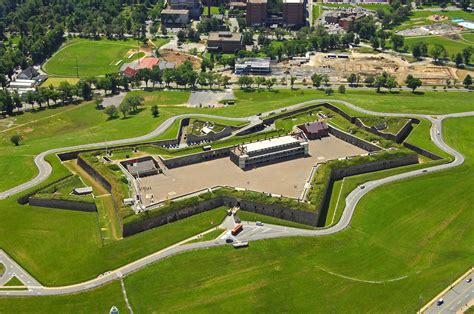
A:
(266, 144)
(175, 11)
(256, 62)
(225, 36)
(293, 1)
(257, 1)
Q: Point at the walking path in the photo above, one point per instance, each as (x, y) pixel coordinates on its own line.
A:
(250, 232)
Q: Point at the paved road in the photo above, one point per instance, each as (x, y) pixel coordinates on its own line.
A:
(276, 232)
(457, 296)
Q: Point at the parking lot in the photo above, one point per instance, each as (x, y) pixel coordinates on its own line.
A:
(285, 178)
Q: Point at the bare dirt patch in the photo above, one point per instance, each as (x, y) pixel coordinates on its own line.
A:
(179, 58)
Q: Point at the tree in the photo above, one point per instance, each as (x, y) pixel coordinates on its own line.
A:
(328, 91)
(341, 89)
(458, 59)
(390, 83)
(154, 111)
(98, 99)
(225, 80)
(124, 107)
(292, 81)
(84, 89)
(420, 49)
(111, 111)
(353, 79)
(369, 80)
(259, 81)
(412, 82)
(326, 79)
(245, 80)
(270, 82)
(438, 52)
(467, 53)
(316, 78)
(168, 76)
(397, 41)
(380, 82)
(15, 139)
(467, 81)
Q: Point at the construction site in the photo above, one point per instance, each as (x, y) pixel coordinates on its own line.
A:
(339, 67)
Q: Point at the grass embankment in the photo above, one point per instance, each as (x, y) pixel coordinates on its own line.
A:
(249, 216)
(407, 239)
(394, 124)
(94, 57)
(62, 190)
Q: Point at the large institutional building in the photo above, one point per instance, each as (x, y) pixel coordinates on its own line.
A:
(270, 151)
(226, 42)
(256, 12)
(293, 13)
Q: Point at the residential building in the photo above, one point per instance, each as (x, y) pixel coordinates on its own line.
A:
(270, 151)
(226, 42)
(256, 12)
(257, 66)
(175, 17)
(293, 13)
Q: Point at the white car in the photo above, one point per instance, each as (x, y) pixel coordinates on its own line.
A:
(259, 223)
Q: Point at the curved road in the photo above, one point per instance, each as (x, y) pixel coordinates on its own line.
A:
(351, 200)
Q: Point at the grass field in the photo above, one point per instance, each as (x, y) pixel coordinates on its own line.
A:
(452, 46)
(94, 57)
(385, 244)
(317, 11)
(55, 81)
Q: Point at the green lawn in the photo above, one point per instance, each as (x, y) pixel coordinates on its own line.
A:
(249, 216)
(99, 300)
(317, 11)
(14, 282)
(94, 57)
(403, 237)
(161, 42)
(468, 37)
(452, 46)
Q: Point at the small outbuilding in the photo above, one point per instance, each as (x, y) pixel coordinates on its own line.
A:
(315, 130)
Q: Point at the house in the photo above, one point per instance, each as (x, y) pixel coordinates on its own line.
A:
(192, 6)
(225, 42)
(315, 130)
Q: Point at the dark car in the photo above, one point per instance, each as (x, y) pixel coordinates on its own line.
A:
(439, 302)
(229, 240)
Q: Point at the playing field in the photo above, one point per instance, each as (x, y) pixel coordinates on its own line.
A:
(452, 46)
(94, 57)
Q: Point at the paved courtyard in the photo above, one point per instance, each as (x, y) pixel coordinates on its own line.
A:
(285, 178)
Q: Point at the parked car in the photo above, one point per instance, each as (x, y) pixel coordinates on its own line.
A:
(229, 240)
(440, 302)
(259, 223)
